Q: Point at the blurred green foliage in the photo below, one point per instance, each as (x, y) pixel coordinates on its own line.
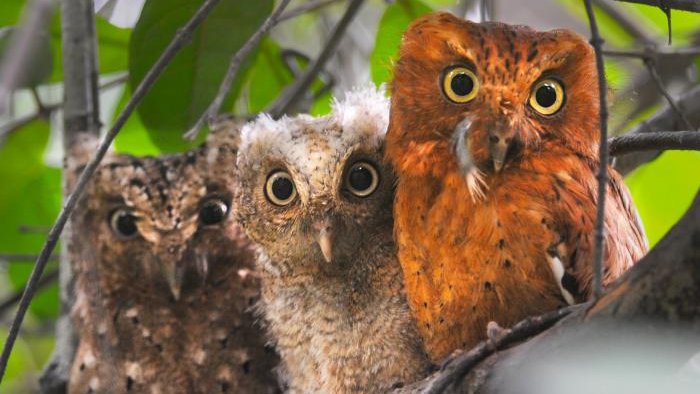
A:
(190, 81)
(31, 193)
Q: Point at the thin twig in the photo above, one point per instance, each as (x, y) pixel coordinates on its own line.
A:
(23, 43)
(458, 367)
(16, 257)
(663, 119)
(16, 124)
(10, 301)
(653, 53)
(182, 36)
(33, 229)
(628, 22)
(236, 61)
(311, 6)
(685, 5)
(661, 140)
(660, 85)
(597, 43)
(291, 94)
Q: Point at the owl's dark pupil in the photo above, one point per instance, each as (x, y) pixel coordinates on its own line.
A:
(126, 224)
(546, 96)
(213, 212)
(282, 188)
(360, 178)
(462, 84)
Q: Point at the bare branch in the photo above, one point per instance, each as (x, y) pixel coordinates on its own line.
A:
(310, 6)
(16, 124)
(664, 119)
(597, 43)
(626, 21)
(654, 53)
(21, 48)
(44, 282)
(15, 257)
(662, 140)
(454, 369)
(213, 110)
(31, 229)
(182, 36)
(660, 85)
(685, 5)
(293, 93)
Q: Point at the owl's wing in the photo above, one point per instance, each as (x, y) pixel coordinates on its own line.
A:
(625, 241)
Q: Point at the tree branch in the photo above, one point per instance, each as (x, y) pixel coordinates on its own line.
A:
(597, 43)
(44, 282)
(660, 140)
(660, 86)
(16, 124)
(16, 257)
(182, 36)
(685, 5)
(236, 61)
(664, 119)
(454, 369)
(310, 6)
(22, 45)
(623, 18)
(294, 92)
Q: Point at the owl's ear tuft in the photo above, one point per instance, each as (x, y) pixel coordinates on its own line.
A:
(225, 131)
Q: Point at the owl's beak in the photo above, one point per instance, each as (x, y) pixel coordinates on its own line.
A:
(499, 145)
(324, 238)
(174, 275)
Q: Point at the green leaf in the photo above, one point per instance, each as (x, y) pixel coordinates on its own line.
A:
(393, 23)
(664, 189)
(133, 138)
(268, 77)
(33, 199)
(189, 83)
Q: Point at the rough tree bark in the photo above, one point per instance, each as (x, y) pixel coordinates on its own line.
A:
(80, 120)
(658, 298)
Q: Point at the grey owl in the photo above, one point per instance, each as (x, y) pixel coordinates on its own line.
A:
(165, 280)
(316, 195)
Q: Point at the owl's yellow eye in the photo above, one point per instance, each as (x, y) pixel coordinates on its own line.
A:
(280, 189)
(547, 97)
(460, 84)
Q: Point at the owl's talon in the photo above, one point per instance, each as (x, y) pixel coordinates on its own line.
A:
(494, 332)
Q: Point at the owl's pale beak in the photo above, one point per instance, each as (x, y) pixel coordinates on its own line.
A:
(324, 238)
(174, 275)
(499, 144)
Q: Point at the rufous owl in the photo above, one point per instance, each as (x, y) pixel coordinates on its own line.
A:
(316, 195)
(494, 134)
(165, 280)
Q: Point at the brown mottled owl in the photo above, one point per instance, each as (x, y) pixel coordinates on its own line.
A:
(494, 139)
(165, 280)
(315, 194)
